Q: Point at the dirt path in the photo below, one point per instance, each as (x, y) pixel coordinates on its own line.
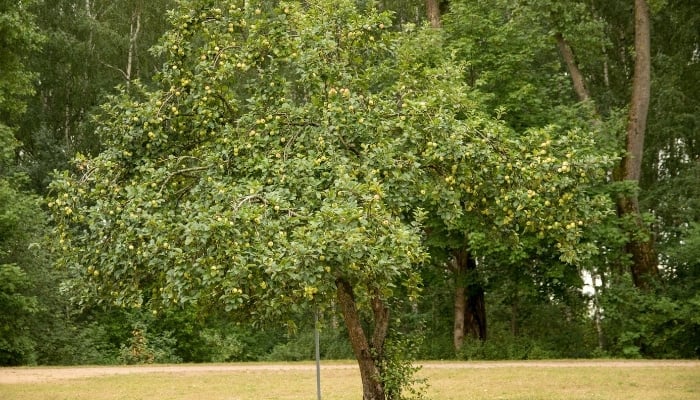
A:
(22, 375)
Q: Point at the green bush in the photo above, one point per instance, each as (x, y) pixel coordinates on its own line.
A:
(77, 344)
(16, 345)
(398, 370)
(223, 347)
(335, 344)
(656, 324)
(144, 348)
(298, 347)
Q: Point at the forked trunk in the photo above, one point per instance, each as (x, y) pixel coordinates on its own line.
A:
(368, 354)
(469, 304)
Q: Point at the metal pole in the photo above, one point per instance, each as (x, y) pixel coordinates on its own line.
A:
(317, 335)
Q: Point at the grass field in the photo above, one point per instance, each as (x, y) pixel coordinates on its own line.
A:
(570, 380)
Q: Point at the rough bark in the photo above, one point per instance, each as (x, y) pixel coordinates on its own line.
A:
(460, 306)
(469, 304)
(381, 325)
(572, 66)
(432, 8)
(372, 387)
(640, 247)
(641, 93)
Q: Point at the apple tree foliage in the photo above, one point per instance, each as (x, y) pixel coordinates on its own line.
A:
(513, 63)
(291, 154)
(249, 175)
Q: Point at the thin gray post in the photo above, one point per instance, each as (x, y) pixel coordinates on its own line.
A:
(317, 335)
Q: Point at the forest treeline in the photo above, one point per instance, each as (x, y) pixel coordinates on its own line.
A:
(191, 181)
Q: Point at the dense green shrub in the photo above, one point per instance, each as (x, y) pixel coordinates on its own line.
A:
(334, 345)
(223, 346)
(655, 324)
(147, 348)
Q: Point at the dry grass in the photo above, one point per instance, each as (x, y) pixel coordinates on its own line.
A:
(567, 382)
(340, 381)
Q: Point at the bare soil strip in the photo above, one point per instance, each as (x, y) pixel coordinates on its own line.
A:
(21, 375)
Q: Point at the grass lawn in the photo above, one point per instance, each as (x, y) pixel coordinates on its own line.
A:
(570, 380)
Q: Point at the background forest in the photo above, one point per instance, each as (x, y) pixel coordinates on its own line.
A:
(557, 217)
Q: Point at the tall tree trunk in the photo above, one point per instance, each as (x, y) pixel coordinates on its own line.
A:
(133, 37)
(469, 304)
(641, 247)
(432, 8)
(365, 353)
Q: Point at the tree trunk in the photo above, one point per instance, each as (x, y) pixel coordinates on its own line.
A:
(475, 312)
(570, 60)
(133, 37)
(381, 325)
(641, 93)
(469, 304)
(514, 317)
(597, 314)
(366, 355)
(641, 247)
(460, 306)
(432, 8)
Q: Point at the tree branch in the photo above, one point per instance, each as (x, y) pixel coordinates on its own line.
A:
(248, 199)
(126, 77)
(179, 172)
(571, 65)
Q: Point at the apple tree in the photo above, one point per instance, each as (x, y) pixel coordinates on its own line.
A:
(285, 159)
(247, 180)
